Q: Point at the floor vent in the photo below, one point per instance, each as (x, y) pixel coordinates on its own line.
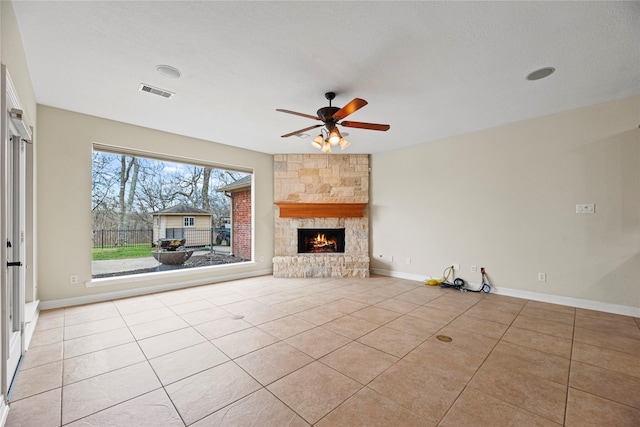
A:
(156, 91)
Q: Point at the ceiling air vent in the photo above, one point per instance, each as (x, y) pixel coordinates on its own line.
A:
(156, 91)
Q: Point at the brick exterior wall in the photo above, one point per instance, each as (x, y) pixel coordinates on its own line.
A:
(241, 226)
(321, 178)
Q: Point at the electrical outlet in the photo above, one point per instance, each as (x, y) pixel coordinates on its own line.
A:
(542, 277)
(73, 279)
(474, 268)
(586, 208)
(407, 261)
(456, 266)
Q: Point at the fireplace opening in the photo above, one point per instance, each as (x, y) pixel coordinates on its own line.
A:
(320, 240)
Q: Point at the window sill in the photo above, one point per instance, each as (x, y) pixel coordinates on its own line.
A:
(176, 274)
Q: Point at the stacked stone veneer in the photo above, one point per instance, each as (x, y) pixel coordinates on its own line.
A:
(321, 178)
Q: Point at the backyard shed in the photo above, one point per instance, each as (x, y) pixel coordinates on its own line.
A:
(183, 222)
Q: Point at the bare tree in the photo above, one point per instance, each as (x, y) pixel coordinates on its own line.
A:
(104, 180)
(126, 190)
(133, 185)
(206, 205)
(125, 175)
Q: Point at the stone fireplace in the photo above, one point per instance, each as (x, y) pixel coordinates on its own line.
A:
(323, 200)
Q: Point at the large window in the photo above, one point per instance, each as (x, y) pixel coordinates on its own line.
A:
(152, 215)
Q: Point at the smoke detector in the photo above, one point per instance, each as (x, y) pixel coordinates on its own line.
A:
(541, 73)
(156, 91)
(168, 71)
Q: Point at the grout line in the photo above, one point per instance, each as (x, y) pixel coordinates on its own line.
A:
(158, 378)
(566, 402)
(252, 288)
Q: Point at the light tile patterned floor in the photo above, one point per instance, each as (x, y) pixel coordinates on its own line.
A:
(361, 352)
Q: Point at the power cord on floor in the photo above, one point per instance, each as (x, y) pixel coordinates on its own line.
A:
(445, 277)
(459, 283)
(484, 286)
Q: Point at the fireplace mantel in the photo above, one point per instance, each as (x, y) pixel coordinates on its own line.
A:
(321, 210)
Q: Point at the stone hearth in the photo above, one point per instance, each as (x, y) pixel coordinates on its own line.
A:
(321, 191)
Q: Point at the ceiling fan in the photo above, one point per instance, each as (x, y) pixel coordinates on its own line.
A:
(331, 117)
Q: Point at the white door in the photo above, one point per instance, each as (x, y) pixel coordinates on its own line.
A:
(14, 224)
(12, 229)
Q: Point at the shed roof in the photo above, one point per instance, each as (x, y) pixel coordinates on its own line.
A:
(183, 209)
(241, 184)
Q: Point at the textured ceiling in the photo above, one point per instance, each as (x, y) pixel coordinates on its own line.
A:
(429, 69)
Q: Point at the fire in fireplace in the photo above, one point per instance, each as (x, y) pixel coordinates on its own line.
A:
(320, 240)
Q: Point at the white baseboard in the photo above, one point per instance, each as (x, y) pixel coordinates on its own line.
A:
(534, 296)
(398, 274)
(624, 310)
(106, 296)
(31, 314)
(4, 411)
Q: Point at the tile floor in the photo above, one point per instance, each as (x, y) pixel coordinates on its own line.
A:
(362, 352)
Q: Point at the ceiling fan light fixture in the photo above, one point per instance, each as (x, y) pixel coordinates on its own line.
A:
(334, 137)
(344, 143)
(317, 142)
(326, 147)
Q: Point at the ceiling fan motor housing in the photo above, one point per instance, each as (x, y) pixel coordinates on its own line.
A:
(326, 113)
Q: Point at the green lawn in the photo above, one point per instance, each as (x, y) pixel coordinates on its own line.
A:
(121, 252)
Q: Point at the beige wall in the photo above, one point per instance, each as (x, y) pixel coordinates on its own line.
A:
(505, 199)
(64, 184)
(12, 53)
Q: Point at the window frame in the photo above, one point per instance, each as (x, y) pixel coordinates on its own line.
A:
(165, 157)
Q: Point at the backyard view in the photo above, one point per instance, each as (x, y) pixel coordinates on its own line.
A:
(152, 215)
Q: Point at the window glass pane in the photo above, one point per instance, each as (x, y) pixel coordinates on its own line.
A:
(152, 215)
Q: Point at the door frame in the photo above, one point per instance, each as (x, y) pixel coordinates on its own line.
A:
(14, 132)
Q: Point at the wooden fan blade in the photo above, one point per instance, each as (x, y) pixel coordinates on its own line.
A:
(309, 116)
(297, 132)
(350, 108)
(361, 125)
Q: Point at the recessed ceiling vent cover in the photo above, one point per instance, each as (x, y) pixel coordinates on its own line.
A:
(156, 91)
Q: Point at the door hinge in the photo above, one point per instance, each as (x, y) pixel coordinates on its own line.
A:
(22, 327)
